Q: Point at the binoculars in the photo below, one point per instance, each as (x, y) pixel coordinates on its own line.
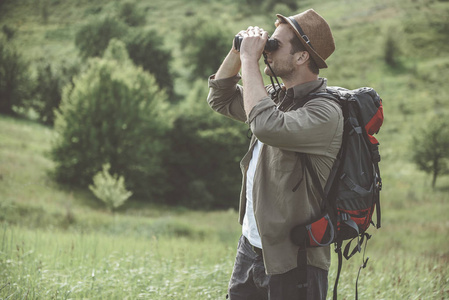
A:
(270, 46)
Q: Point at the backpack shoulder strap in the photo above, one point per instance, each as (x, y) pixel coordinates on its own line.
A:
(330, 94)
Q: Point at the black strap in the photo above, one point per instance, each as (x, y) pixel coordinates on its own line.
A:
(363, 266)
(379, 188)
(301, 32)
(340, 262)
(302, 272)
(316, 182)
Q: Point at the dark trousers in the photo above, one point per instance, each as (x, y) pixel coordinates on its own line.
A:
(249, 281)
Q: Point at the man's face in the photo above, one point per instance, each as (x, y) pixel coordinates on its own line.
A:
(280, 60)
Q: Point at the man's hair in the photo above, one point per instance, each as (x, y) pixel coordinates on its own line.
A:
(297, 46)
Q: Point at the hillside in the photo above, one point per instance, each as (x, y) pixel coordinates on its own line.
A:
(411, 92)
(409, 252)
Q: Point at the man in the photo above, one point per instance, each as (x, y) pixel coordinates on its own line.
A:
(277, 192)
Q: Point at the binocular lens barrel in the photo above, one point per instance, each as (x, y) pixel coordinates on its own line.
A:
(270, 46)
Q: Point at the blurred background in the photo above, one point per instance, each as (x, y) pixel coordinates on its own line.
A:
(118, 181)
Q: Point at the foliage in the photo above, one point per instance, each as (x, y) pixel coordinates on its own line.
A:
(204, 173)
(14, 79)
(109, 188)
(427, 27)
(391, 50)
(205, 43)
(9, 32)
(131, 15)
(146, 49)
(291, 4)
(48, 87)
(93, 38)
(114, 114)
(430, 148)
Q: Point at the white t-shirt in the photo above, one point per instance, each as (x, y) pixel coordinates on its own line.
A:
(249, 228)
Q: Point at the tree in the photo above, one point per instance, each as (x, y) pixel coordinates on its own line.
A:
(131, 14)
(93, 38)
(146, 49)
(115, 114)
(205, 44)
(14, 79)
(205, 171)
(391, 49)
(47, 91)
(431, 148)
(110, 188)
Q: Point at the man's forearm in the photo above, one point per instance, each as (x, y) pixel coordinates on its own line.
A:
(230, 66)
(254, 89)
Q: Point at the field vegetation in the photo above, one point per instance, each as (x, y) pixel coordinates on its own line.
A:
(177, 238)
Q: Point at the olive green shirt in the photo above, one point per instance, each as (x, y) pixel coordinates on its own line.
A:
(279, 203)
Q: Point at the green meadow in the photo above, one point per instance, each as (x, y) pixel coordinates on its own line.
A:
(60, 242)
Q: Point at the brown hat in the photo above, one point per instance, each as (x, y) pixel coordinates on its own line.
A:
(314, 33)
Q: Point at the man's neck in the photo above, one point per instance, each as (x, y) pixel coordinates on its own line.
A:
(298, 78)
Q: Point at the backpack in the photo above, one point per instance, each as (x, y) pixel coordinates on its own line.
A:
(351, 193)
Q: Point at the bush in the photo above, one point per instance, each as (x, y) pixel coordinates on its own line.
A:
(205, 44)
(291, 4)
(205, 171)
(431, 148)
(14, 79)
(146, 49)
(47, 92)
(93, 38)
(9, 32)
(115, 114)
(391, 49)
(110, 188)
(131, 14)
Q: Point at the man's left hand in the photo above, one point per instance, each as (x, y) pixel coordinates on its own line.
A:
(253, 44)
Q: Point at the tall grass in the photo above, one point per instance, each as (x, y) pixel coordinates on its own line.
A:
(44, 264)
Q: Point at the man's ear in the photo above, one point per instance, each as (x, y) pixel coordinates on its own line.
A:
(302, 57)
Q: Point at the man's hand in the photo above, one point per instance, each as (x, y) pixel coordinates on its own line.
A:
(253, 44)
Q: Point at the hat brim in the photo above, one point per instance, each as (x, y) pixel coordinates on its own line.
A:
(321, 64)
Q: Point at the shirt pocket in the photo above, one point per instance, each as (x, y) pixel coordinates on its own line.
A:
(282, 160)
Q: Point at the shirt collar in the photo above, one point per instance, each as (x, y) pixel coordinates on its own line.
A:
(301, 90)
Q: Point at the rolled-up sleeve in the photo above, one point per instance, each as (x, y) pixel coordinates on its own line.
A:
(226, 97)
(310, 129)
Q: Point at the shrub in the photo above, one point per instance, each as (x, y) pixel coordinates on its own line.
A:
(110, 188)
(146, 49)
(431, 148)
(9, 32)
(93, 38)
(47, 92)
(131, 14)
(14, 79)
(205, 44)
(391, 49)
(116, 114)
(205, 171)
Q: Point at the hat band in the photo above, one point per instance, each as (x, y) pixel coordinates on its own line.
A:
(301, 32)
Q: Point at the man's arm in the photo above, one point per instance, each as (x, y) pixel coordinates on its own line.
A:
(250, 53)
(230, 66)
(225, 95)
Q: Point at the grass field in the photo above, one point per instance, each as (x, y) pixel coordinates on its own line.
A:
(60, 242)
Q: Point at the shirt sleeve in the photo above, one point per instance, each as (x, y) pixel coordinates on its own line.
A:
(226, 97)
(314, 128)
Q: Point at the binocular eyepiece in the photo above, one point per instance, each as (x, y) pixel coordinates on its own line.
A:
(270, 46)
